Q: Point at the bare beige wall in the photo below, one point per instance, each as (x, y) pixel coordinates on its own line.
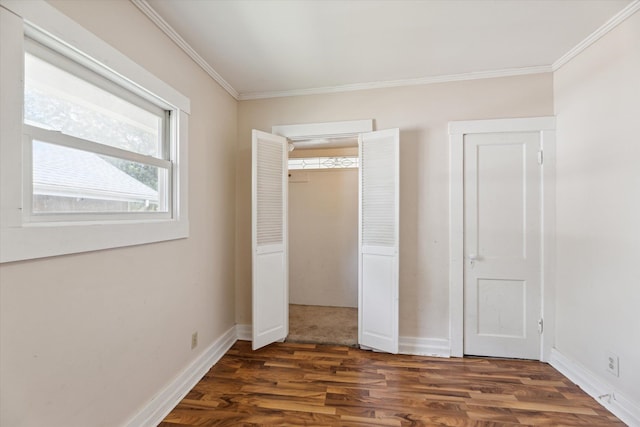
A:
(597, 102)
(323, 237)
(422, 114)
(89, 339)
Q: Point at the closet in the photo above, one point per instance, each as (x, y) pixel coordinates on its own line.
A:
(323, 244)
(377, 230)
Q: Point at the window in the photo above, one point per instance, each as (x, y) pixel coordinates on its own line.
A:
(94, 147)
(95, 157)
(336, 162)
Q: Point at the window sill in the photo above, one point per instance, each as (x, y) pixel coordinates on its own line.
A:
(45, 240)
(21, 239)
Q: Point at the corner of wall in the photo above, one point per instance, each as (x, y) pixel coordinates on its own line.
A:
(598, 388)
(154, 411)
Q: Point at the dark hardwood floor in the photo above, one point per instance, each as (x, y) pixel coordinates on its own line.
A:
(307, 384)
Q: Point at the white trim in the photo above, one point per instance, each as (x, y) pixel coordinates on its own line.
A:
(11, 72)
(19, 240)
(50, 21)
(417, 346)
(144, 6)
(527, 124)
(244, 332)
(162, 403)
(457, 130)
(475, 75)
(308, 131)
(21, 243)
(70, 141)
(164, 26)
(612, 23)
(601, 390)
(456, 243)
(548, 259)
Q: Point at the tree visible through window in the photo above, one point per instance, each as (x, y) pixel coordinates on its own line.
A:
(75, 175)
(94, 146)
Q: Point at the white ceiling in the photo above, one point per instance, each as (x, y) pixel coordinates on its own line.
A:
(260, 48)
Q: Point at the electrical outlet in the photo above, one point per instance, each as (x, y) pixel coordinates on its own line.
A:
(613, 364)
(194, 340)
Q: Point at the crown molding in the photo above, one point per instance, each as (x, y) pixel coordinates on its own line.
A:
(616, 20)
(146, 8)
(398, 83)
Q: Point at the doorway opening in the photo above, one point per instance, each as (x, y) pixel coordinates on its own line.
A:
(377, 230)
(323, 242)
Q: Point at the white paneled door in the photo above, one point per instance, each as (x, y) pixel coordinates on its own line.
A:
(378, 240)
(502, 244)
(269, 239)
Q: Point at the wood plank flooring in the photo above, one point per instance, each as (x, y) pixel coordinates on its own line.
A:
(288, 384)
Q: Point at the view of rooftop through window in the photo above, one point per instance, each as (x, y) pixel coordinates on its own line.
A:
(70, 180)
(73, 180)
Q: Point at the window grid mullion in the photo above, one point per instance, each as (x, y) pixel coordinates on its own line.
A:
(27, 175)
(59, 138)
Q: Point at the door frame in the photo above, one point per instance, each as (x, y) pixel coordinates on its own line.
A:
(457, 129)
(350, 129)
(326, 130)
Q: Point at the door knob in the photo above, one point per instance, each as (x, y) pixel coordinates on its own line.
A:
(472, 259)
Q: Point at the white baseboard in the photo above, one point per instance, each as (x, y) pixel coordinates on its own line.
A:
(158, 408)
(244, 332)
(437, 347)
(598, 388)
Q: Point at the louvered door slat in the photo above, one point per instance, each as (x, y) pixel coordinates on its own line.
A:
(269, 234)
(269, 192)
(378, 252)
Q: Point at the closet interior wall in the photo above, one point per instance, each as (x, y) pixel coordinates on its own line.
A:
(323, 232)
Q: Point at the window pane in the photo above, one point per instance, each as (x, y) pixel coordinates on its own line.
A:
(66, 180)
(58, 100)
(340, 162)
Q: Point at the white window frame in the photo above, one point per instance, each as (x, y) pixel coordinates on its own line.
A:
(22, 239)
(42, 47)
(324, 163)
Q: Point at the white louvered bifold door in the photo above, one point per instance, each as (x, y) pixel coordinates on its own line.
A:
(378, 240)
(269, 239)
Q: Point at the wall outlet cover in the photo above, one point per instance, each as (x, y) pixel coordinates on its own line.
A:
(613, 362)
(194, 340)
